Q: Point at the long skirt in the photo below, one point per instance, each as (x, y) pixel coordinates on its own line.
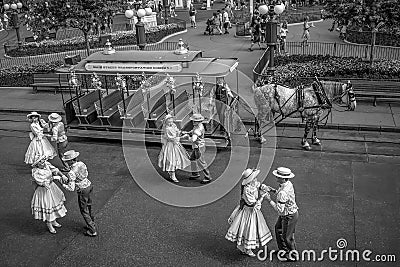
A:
(172, 157)
(48, 204)
(39, 147)
(248, 228)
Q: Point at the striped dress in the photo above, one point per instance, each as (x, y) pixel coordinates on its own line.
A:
(249, 228)
(173, 156)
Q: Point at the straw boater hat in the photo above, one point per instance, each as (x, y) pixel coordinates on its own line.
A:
(70, 155)
(197, 117)
(283, 172)
(34, 113)
(248, 175)
(167, 117)
(37, 160)
(55, 117)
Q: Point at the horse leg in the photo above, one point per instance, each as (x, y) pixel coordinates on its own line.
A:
(307, 129)
(315, 140)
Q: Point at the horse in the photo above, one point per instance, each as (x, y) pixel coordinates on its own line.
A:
(308, 103)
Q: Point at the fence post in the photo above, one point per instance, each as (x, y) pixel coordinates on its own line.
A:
(334, 49)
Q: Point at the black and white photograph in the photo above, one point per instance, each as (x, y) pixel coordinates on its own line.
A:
(199, 133)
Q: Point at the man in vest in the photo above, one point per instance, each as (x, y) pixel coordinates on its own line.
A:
(77, 179)
(287, 210)
(59, 136)
(197, 138)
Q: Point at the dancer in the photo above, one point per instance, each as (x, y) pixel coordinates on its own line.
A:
(59, 136)
(287, 210)
(77, 179)
(199, 148)
(173, 155)
(48, 200)
(39, 145)
(248, 227)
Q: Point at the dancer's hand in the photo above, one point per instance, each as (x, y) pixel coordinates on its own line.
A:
(271, 189)
(258, 205)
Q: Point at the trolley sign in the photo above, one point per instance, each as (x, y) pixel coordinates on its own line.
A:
(133, 67)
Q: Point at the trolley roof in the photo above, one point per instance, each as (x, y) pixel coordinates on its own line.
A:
(137, 62)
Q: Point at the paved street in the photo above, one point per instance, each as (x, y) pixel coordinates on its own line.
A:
(348, 189)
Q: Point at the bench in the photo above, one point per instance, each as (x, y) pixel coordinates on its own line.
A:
(157, 107)
(183, 110)
(50, 81)
(134, 115)
(87, 112)
(108, 106)
(386, 91)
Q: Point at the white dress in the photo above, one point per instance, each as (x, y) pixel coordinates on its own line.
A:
(39, 145)
(173, 155)
(249, 228)
(48, 200)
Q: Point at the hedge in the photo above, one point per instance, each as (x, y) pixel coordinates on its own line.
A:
(153, 35)
(290, 68)
(22, 76)
(365, 37)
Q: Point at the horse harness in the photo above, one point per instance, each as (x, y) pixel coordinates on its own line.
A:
(323, 102)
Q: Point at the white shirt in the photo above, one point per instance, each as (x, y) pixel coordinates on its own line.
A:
(285, 200)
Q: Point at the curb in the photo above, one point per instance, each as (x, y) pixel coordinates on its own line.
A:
(346, 127)
(18, 111)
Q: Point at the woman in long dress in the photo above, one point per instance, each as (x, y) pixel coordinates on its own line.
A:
(48, 200)
(247, 224)
(173, 155)
(39, 144)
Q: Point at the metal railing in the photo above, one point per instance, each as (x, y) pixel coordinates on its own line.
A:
(342, 50)
(48, 58)
(258, 69)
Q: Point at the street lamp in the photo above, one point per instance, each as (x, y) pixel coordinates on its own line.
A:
(15, 7)
(271, 32)
(140, 31)
(166, 5)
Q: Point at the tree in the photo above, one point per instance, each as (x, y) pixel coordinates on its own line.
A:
(44, 16)
(366, 14)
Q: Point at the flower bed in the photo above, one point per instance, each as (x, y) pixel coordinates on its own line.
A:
(364, 37)
(290, 69)
(22, 76)
(153, 35)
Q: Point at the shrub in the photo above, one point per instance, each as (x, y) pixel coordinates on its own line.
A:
(291, 69)
(153, 35)
(22, 76)
(364, 37)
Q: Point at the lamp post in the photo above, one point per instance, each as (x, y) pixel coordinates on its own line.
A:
(271, 32)
(140, 31)
(166, 5)
(15, 7)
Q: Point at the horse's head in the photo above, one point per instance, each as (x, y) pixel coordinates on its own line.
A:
(348, 96)
(340, 92)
